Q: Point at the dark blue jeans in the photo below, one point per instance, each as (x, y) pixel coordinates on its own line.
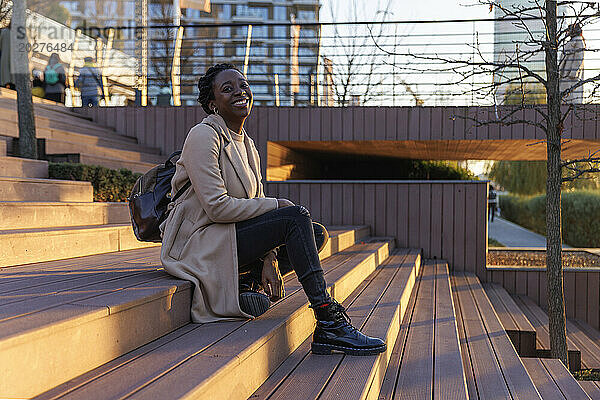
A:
(290, 229)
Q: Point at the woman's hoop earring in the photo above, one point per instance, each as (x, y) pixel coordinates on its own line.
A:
(216, 111)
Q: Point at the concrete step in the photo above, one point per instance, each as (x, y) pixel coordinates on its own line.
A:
(25, 246)
(114, 163)
(54, 146)
(113, 304)
(44, 190)
(22, 167)
(27, 215)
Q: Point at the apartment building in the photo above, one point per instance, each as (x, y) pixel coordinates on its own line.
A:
(271, 44)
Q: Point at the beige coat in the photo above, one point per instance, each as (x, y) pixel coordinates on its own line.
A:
(199, 237)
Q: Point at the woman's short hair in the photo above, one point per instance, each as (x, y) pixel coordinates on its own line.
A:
(205, 84)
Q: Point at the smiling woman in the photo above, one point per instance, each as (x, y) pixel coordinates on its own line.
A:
(226, 237)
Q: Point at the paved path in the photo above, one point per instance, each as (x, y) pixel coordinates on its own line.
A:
(513, 235)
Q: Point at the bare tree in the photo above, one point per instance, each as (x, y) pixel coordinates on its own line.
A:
(516, 69)
(357, 66)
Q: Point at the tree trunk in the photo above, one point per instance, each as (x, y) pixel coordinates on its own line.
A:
(20, 69)
(556, 305)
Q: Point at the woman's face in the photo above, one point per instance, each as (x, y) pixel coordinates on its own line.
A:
(233, 98)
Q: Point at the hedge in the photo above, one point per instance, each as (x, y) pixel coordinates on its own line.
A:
(109, 184)
(580, 215)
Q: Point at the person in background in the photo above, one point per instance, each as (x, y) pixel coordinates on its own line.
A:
(89, 83)
(55, 78)
(38, 84)
(492, 203)
(6, 76)
(571, 65)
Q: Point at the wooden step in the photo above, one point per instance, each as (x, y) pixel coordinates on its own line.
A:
(553, 380)
(591, 388)
(60, 147)
(494, 369)
(23, 167)
(44, 190)
(27, 215)
(515, 323)
(111, 304)
(376, 307)
(426, 362)
(539, 320)
(107, 162)
(204, 359)
(25, 246)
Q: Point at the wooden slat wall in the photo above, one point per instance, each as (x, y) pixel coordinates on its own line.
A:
(447, 219)
(581, 288)
(166, 127)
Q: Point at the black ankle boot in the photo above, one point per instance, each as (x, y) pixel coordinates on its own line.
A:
(251, 300)
(334, 332)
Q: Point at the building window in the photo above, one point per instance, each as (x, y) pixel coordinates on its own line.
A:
(280, 69)
(258, 70)
(306, 15)
(305, 52)
(218, 50)
(225, 11)
(224, 32)
(243, 10)
(280, 32)
(279, 50)
(306, 32)
(260, 32)
(258, 51)
(260, 89)
(280, 13)
(240, 50)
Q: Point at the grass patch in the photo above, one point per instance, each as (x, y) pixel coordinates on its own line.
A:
(494, 243)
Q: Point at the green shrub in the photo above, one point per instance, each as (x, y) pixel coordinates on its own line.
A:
(580, 215)
(109, 184)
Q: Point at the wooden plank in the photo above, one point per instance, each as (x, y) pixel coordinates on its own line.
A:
(348, 202)
(391, 210)
(402, 218)
(569, 294)
(470, 216)
(358, 204)
(581, 295)
(564, 380)
(414, 205)
(448, 227)
(591, 388)
(486, 371)
(436, 220)
(590, 351)
(388, 384)
(458, 240)
(518, 382)
(449, 377)
(337, 204)
(482, 230)
(416, 369)
(359, 125)
(464, 348)
(381, 217)
(593, 298)
(391, 123)
(425, 219)
(369, 207)
(359, 378)
(542, 379)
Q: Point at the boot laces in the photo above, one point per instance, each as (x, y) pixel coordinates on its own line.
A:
(340, 311)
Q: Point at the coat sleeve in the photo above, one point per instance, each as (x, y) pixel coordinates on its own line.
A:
(200, 157)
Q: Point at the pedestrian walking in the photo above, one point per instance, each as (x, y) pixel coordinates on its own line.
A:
(55, 79)
(492, 203)
(89, 83)
(38, 85)
(571, 65)
(7, 79)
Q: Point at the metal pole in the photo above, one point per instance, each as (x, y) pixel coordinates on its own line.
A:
(277, 90)
(248, 41)
(175, 70)
(105, 56)
(72, 66)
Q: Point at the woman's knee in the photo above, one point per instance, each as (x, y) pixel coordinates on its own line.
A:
(297, 211)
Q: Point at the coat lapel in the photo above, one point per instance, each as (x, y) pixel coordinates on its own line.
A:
(232, 153)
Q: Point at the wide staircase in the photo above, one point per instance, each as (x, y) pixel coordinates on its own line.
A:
(64, 135)
(116, 326)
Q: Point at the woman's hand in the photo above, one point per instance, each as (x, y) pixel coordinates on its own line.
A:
(272, 280)
(284, 203)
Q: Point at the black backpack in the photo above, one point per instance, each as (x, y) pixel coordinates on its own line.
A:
(149, 199)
